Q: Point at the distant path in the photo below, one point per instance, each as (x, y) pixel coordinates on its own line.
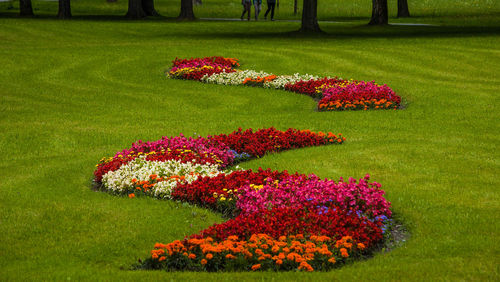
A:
(298, 21)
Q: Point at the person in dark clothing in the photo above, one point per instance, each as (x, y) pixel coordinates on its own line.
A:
(247, 4)
(270, 7)
(258, 6)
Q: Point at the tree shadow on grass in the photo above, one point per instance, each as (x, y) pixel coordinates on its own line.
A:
(289, 29)
(96, 18)
(349, 31)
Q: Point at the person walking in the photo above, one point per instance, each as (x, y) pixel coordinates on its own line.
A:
(246, 8)
(258, 5)
(270, 7)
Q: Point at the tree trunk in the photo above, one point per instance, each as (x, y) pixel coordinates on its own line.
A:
(187, 12)
(135, 10)
(379, 13)
(148, 6)
(25, 8)
(295, 4)
(403, 11)
(64, 9)
(309, 16)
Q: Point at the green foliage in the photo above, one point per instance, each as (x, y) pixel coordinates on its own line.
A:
(72, 92)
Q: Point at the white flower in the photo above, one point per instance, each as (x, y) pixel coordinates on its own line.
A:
(281, 80)
(237, 78)
(233, 78)
(120, 180)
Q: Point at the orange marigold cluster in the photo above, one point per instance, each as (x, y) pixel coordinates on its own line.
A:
(261, 252)
(338, 105)
(259, 80)
(330, 137)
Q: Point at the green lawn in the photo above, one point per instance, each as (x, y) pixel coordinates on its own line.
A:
(74, 91)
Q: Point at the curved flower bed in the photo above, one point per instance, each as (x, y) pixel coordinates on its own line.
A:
(334, 94)
(279, 221)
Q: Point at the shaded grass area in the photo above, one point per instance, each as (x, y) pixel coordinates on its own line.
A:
(72, 93)
(462, 12)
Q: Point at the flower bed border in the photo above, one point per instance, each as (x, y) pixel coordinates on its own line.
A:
(333, 94)
(328, 232)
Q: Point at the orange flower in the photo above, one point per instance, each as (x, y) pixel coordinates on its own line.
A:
(160, 246)
(310, 245)
(162, 258)
(131, 195)
(192, 256)
(344, 252)
(309, 256)
(209, 256)
(281, 244)
(307, 267)
(325, 251)
(203, 261)
(310, 250)
(361, 246)
(230, 256)
(279, 262)
(255, 266)
(332, 260)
